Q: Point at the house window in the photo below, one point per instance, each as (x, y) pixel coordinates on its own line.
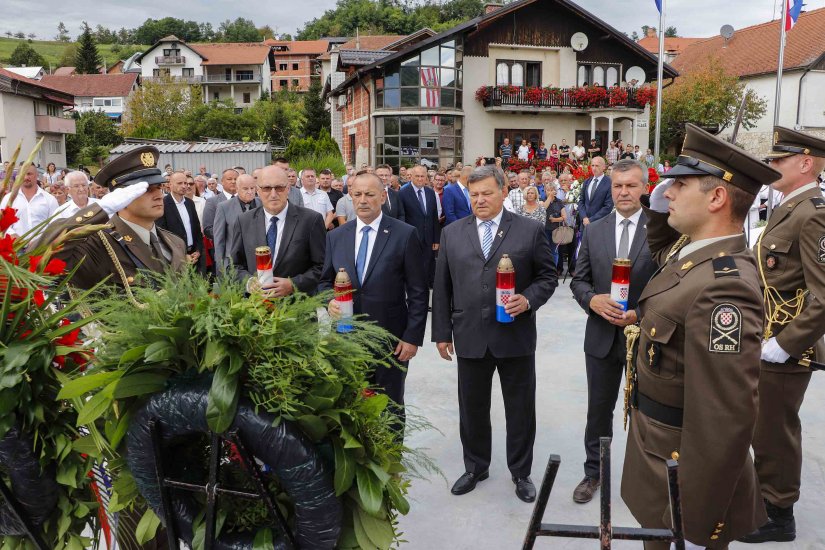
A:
(612, 77)
(410, 140)
(55, 146)
(247, 97)
(518, 73)
(598, 74)
(49, 109)
(282, 66)
(188, 71)
(294, 66)
(107, 102)
(283, 83)
(244, 75)
(171, 52)
(160, 72)
(295, 83)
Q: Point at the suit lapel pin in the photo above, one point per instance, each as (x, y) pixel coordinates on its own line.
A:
(386, 231)
(500, 234)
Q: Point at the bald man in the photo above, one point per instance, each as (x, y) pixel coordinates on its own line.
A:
(295, 236)
(228, 213)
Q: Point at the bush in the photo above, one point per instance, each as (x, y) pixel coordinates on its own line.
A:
(319, 162)
(310, 146)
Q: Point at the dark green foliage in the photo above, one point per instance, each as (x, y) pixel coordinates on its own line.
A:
(96, 134)
(25, 55)
(310, 146)
(317, 116)
(87, 60)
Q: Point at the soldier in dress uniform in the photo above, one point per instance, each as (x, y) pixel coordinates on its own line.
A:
(791, 259)
(133, 242)
(695, 374)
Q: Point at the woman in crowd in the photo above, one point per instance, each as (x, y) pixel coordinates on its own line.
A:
(554, 153)
(569, 250)
(532, 207)
(58, 191)
(649, 159)
(51, 175)
(666, 167)
(554, 209)
(542, 152)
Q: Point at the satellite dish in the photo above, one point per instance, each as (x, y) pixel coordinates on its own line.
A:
(579, 41)
(726, 31)
(635, 76)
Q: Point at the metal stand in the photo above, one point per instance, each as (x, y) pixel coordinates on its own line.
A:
(212, 488)
(21, 516)
(605, 531)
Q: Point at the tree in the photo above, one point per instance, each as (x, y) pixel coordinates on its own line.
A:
(646, 28)
(239, 30)
(62, 33)
(88, 58)
(31, 36)
(158, 108)
(153, 30)
(25, 55)
(708, 97)
(265, 32)
(94, 131)
(9, 34)
(20, 34)
(317, 117)
(69, 56)
(104, 35)
(635, 36)
(671, 32)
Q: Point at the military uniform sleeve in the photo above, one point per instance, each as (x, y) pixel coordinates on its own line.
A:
(803, 332)
(660, 236)
(721, 361)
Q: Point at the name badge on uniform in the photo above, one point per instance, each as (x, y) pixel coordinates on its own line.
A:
(725, 329)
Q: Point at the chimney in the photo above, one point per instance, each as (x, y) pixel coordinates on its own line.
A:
(490, 7)
(651, 32)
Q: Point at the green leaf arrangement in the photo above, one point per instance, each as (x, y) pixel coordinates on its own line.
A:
(278, 355)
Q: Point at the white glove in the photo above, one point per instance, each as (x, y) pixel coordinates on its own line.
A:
(772, 352)
(658, 201)
(122, 197)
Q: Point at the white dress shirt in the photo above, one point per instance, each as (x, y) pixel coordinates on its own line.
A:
(227, 195)
(631, 228)
(69, 208)
(280, 225)
(523, 152)
(805, 188)
(144, 235)
(318, 201)
(692, 247)
(200, 204)
(594, 186)
(424, 195)
(31, 212)
(184, 216)
(494, 228)
(359, 236)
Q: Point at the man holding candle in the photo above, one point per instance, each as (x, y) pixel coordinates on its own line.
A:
(294, 235)
(622, 234)
(382, 257)
(465, 324)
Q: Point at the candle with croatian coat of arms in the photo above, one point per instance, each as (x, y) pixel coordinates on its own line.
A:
(343, 295)
(505, 288)
(620, 284)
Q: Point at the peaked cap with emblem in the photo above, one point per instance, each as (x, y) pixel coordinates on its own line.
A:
(787, 142)
(706, 155)
(138, 165)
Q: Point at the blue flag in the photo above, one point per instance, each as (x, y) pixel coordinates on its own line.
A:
(658, 5)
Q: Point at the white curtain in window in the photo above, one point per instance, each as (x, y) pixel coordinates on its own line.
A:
(517, 74)
(502, 74)
(612, 77)
(582, 75)
(598, 76)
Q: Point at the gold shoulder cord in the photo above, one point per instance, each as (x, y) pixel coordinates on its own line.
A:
(119, 268)
(676, 247)
(632, 333)
(777, 310)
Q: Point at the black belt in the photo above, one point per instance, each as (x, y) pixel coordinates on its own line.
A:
(672, 416)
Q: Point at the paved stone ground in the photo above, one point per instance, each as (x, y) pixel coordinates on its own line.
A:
(491, 517)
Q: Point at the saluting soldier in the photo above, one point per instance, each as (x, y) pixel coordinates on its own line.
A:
(133, 242)
(791, 258)
(696, 368)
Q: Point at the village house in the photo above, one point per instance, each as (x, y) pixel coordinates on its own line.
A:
(108, 93)
(295, 63)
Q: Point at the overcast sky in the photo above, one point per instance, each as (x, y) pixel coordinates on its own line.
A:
(691, 17)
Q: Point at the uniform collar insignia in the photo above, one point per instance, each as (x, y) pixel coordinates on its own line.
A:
(687, 265)
(127, 238)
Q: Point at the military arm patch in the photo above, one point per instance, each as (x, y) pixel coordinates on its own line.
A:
(819, 202)
(725, 266)
(725, 329)
(820, 255)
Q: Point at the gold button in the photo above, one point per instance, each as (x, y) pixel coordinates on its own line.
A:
(720, 525)
(773, 246)
(130, 279)
(78, 219)
(653, 331)
(674, 455)
(714, 537)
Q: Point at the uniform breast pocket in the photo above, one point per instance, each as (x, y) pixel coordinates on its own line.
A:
(657, 354)
(775, 252)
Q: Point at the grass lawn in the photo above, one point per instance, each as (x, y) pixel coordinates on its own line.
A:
(52, 51)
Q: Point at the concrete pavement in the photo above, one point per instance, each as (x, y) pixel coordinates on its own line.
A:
(491, 517)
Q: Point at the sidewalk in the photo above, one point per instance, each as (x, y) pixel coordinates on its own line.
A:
(491, 517)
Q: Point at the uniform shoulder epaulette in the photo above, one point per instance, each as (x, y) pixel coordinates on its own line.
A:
(725, 266)
(819, 202)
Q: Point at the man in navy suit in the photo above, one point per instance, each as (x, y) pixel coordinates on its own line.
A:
(422, 210)
(596, 201)
(392, 206)
(382, 257)
(457, 198)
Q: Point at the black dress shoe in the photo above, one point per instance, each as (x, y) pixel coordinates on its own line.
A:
(467, 482)
(781, 526)
(525, 490)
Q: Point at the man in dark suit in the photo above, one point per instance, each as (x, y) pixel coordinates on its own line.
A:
(229, 180)
(181, 218)
(228, 213)
(295, 235)
(622, 234)
(596, 201)
(464, 323)
(456, 199)
(422, 210)
(392, 206)
(382, 256)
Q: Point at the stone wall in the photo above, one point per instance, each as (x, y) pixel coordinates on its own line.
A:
(760, 143)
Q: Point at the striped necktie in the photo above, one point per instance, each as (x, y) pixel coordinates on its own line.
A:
(487, 239)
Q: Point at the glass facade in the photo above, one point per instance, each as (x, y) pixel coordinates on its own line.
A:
(431, 80)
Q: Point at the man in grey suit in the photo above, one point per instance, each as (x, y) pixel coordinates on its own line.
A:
(229, 180)
(464, 322)
(621, 234)
(227, 214)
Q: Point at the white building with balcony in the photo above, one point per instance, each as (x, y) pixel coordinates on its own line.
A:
(236, 71)
(108, 93)
(30, 110)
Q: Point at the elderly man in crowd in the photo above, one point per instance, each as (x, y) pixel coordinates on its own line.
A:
(226, 217)
(78, 190)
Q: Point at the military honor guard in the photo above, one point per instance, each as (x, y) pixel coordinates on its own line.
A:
(132, 242)
(696, 369)
(791, 260)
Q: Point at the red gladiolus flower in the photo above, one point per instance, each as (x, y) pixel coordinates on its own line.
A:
(70, 338)
(8, 218)
(24, 334)
(39, 298)
(652, 175)
(55, 266)
(367, 393)
(7, 249)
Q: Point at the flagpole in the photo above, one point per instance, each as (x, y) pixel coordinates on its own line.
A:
(778, 94)
(659, 75)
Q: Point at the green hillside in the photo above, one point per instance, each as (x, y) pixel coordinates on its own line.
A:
(53, 50)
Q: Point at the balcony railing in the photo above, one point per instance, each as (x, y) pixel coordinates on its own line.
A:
(170, 60)
(234, 78)
(583, 97)
(207, 79)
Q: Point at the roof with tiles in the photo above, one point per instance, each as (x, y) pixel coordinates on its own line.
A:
(39, 91)
(232, 53)
(298, 47)
(93, 85)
